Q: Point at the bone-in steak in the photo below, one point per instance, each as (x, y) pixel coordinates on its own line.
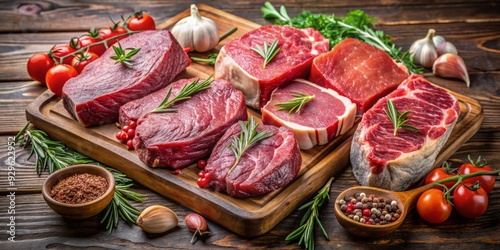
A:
(95, 95)
(383, 160)
(177, 139)
(268, 165)
(320, 120)
(358, 71)
(243, 67)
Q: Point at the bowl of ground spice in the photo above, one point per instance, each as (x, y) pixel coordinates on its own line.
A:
(79, 191)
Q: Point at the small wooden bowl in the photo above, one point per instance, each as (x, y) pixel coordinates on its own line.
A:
(84, 210)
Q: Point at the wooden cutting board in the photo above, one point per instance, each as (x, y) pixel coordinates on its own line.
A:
(247, 217)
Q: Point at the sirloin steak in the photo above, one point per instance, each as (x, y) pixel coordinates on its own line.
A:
(383, 160)
(243, 67)
(358, 71)
(323, 118)
(177, 139)
(266, 166)
(96, 94)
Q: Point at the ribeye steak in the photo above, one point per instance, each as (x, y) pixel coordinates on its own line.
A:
(243, 67)
(383, 160)
(95, 95)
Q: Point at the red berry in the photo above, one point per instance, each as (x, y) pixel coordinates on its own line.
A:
(367, 212)
(122, 136)
(131, 133)
(348, 210)
(201, 164)
(201, 174)
(130, 144)
(177, 171)
(125, 128)
(132, 124)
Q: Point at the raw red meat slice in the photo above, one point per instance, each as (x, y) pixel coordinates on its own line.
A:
(268, 165)
(177, 139)
(358, 71)
(243, 67)
(383, 160)
(323, 118)
(95, 95)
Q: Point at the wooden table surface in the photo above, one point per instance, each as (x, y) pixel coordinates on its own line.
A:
(35, 26)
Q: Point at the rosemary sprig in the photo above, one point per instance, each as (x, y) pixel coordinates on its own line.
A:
(121, 56)
(268, 52)
(299, 99)
(397, 118)
(305, 233)
(210, 60)
(248, 137)
(55, 155)
(186, 92)
(356, 24)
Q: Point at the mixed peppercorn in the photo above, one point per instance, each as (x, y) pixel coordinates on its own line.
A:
(370, 209)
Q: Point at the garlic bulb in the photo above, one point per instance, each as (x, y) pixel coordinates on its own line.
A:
(196, 32)
(423, 50)
(451, 66)
(437, 40)
(157, 219)
(446, 47)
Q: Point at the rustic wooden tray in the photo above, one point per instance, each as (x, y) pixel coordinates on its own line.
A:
(248, 217)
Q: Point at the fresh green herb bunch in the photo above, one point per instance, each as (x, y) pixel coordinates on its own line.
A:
(356, 24)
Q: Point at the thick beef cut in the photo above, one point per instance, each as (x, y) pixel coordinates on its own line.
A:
(358, 71)
(383, 160)
(243, 67)
(320, 120)
(95, 96)
(268, 165)
(177, 139)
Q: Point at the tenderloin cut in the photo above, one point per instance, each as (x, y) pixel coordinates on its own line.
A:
(383, 160)
(243, 67)
(268, 165)
(177, 139)
(358, 71)
(95, 95)
(319, 121)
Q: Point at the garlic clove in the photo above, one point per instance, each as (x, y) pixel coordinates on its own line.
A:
(451, 66)
(423, 50)
(446, 47)
(437, 40)
(157, 219)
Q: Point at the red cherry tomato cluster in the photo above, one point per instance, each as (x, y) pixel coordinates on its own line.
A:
(81, 51)
(126, 134)
(469, 197)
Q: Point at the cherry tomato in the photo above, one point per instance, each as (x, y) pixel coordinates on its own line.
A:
(470, 201)
(58, 75)
(141, 21)
(61, 50)
(445, 171)
(91, 39)
(433, 207)
(38, 65)
(487, 182)
(108, 32)
(80, 61)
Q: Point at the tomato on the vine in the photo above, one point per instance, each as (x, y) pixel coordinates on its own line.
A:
(470, 201)
(61, 50)
(91, 38)
(141, 21)
(487, 182)
(433, 206)
(437, 174)
(80, 61)
(108, 32)
(38, 65)
(57, 76)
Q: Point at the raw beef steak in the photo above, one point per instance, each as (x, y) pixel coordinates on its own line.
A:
(95, 96)
(268, 165)
(243, 67)
(383, 160)
(358, 71)
(180, 138)
(320, 120)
